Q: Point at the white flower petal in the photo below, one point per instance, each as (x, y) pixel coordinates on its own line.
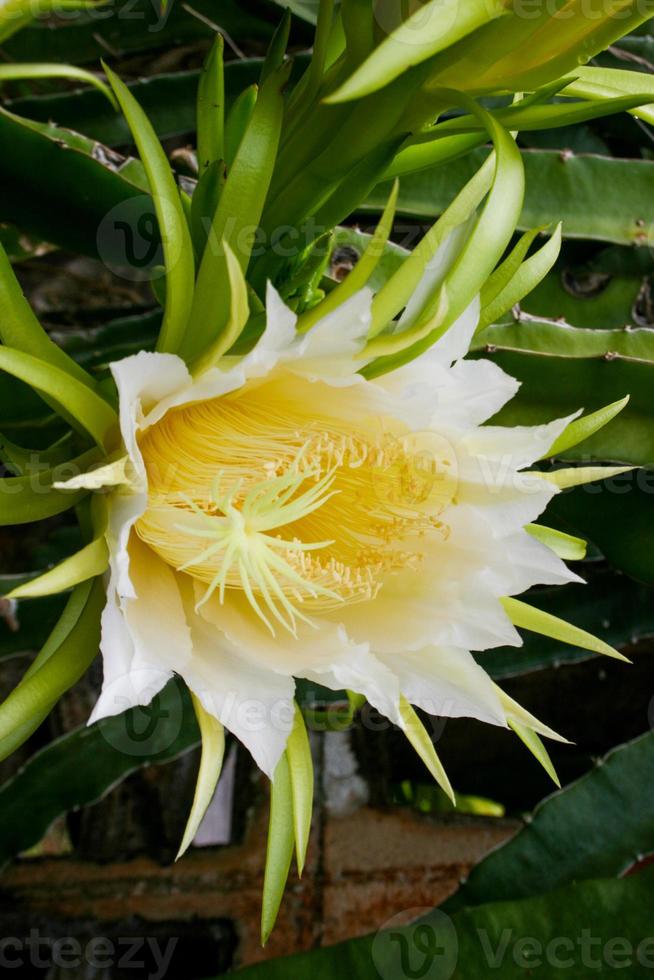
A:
(517, 446)
(254, 702)
(342, 333)
(477, 390)
(447, 682)
(145, 638)
(322, 652)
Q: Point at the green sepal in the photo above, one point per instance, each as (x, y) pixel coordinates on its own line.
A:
(418, 735)
(237, 216)
(578, 476)
(239, 312)
(32, 497)
(210, 110)
(528, 275)
(277, 48)
(29, 702)
(581, 429)
(281, 841)
(211, 764)
(86, 564)
(535, 745)
(566, 546)
(175, 234)
(238, 120)
(300, 765)
(204, 202)
(362, 271)
(433, 27)
(72, 397)
(20, 329)
(528, 617)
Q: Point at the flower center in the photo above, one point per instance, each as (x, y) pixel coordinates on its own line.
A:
(293, 492)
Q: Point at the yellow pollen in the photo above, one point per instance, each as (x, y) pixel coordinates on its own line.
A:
(290, 492)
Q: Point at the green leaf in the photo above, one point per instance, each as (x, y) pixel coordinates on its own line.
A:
(575, 925)
(74, 397)
(168, 99)
(281, 840)
(79, 768)
(175, 235)
(594, 827)
(618, 520)
(530, 618)
(435, 26)
(211, 108)
(16, 72)
(56, 211)
(300, 767)
(211, 764)
(134, 26)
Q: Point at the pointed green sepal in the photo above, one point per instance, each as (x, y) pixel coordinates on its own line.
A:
(29, 702)
(529, 618)
(91, 561)
(581, 429)
(566, 546)
(523, 281)
(239, 312)
(211, 764)
(73, 397)
(362, 271)
(175, 235)
(535, 745)
(418, 735)
(300, 766)
(281, 841)
(210, 110)
(579, 476)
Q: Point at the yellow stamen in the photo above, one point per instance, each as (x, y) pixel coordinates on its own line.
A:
(300, 512)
